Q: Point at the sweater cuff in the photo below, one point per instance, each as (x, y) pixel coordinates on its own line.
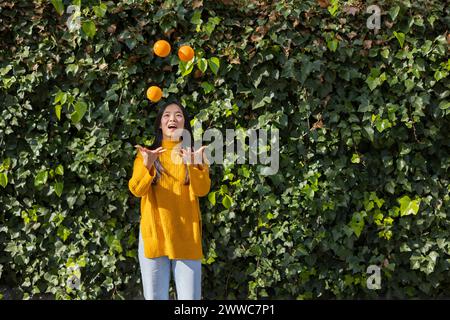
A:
(199, 167)
(145, 180)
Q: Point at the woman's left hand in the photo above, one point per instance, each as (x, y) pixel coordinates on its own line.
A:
(195, 157)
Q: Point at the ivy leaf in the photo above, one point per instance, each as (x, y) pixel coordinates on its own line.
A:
(60, 170)
(333, 7)
(355, 158)
(63, 232)
(394, 12)
(89, 28)
(100, 10)
(207, 87)
(80, 110)
(409, 84)
(370, 132)
(261, 99)
(4, 71)
(400, 37)
(58, 111)
(71, 199)
(357, 223)
(211, 25)
(60, 97)
(6, 164)
(256, 250)
(186, 67)
(227, 201)
(41, 178)
(259, 76)
(131, 43)
(438, 75)
(390, 187)
(114, 244)
(72, 68)
(332, 44)
(432, 257)
(408, 206)
(372, 82)
(308, 191)
(444, 105)
(59, 6)
(382, 125)
(3, 179)
(196, 18)
(431, 20)
(214, 64)
(202, 64)
(212, 198)
(58, 186)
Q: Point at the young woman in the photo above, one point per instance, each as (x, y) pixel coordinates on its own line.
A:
(170, 236)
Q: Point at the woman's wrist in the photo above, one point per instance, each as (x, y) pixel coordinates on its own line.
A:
(149, 165)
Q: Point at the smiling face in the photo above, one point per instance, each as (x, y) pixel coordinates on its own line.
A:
(171, 120)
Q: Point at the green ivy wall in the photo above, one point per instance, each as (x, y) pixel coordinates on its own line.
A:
(364, 144)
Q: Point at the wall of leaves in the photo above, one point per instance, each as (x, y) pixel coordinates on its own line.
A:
(364, 126)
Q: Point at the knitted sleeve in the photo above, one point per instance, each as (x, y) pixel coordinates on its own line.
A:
(140, 182)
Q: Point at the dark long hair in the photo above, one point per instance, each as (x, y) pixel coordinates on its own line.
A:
(159, 138)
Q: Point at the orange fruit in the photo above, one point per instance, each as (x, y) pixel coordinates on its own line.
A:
(185, 53)
(154, 93)
(161, 48)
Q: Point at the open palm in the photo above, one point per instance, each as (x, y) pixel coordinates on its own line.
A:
(149, 156)
(195, 157)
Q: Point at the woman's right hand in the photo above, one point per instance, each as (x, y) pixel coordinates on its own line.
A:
(149, 156)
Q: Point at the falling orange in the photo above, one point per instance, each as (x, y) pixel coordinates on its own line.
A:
(185, 53)
(161, 48)
(154, 93)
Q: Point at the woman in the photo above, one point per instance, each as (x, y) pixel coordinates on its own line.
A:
(169, 180)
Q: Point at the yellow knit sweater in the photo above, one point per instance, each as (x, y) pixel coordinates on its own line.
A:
(170, 214)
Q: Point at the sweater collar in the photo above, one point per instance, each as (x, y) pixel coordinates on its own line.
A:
(170, 144)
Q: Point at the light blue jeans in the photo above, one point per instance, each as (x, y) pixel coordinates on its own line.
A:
(156, 276)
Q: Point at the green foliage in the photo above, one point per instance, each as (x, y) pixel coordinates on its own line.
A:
(364, 157)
